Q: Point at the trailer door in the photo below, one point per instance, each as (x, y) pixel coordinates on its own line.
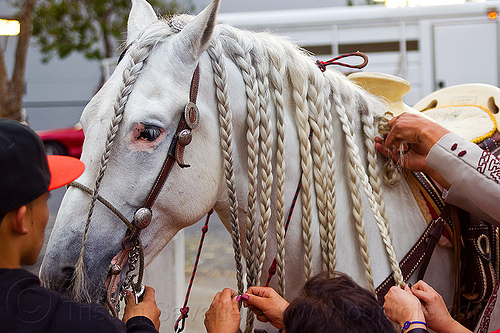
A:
(466, 53)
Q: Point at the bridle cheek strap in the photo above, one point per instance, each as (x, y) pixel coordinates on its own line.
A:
(182, 137)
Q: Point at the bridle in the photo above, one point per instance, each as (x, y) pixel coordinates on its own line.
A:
(132, 251)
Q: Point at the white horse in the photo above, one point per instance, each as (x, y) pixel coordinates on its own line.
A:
(269, 118)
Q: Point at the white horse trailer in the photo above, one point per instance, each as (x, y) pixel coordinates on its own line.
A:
(431, 47)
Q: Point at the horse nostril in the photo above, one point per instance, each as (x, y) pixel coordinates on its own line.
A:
(68, 272)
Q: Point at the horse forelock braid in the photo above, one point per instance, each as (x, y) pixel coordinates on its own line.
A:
(139, 52)
(225, 121)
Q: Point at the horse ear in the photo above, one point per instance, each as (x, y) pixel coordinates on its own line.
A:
(195, 37)
(141, 16)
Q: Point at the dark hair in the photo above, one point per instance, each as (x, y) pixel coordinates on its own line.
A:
(334, 303)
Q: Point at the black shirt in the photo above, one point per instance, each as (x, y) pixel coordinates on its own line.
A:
(26, 307)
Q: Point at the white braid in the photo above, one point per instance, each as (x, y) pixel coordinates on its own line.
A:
(265, 159)
(226, 138)
(317, 122)
(381, 217)
(330, 181)
(391, 172)
(354, 185)
(276, 79)
(299, 95)
(241, 57)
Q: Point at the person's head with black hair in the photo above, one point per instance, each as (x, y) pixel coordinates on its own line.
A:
(333, 302)
(27, 175)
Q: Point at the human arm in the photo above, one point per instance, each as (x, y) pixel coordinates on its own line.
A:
(223, 316)
(147, 308)
(402, 306)
(435, 311)
(473, 174)
(267, 305)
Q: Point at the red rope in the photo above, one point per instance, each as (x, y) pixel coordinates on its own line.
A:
(185, 309)
(322, 64)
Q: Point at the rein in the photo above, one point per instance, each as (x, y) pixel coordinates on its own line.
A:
(132, 249)
(185, 309)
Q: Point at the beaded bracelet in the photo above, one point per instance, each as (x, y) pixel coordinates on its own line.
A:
(407, 325)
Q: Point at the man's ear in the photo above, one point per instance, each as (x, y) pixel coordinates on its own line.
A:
(18, 225)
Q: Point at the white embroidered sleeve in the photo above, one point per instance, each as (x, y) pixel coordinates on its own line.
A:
(473, 173)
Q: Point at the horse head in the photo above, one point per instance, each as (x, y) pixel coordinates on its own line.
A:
(129, 126)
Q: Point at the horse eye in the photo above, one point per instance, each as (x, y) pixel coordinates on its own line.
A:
(149, 133)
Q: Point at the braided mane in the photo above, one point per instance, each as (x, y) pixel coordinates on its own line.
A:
(277, 74)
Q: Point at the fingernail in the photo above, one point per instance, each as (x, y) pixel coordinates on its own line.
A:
(244, 297)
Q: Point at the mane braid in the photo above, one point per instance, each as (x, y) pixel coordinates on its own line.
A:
(331, 202)
(381, 216)
(241, 56)
(276, 74)
(265, 159)
(354, 185)
(225, 120)
(317, 122)
(299, 96)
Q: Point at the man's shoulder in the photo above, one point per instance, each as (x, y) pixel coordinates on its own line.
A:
(26, 305)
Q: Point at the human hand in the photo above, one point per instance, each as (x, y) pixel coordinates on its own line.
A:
(223, 316)
(267, 305)
(436, 313)
(409, 156)
(409, 140)
(414, 128)
(401, 306)
(146, 308)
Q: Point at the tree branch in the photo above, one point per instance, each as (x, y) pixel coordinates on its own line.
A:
(4, 79)
(18, 75)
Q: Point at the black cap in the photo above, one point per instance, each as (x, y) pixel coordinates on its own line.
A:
(25, 171)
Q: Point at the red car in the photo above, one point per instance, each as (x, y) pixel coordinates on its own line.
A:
(63, 141)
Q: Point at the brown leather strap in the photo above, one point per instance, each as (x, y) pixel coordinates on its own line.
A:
(433, 239)
(195, 83)
(429, 190)
(171, 156)
(417, 254)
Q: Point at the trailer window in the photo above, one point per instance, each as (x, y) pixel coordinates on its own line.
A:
(411, 45)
